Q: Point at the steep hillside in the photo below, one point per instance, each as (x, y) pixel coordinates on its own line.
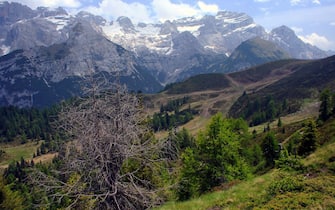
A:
(254, 52)
(301, 183)
(284, 85)
(200, 82)
(304, 80)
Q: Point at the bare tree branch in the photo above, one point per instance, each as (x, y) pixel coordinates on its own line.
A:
(107, 139)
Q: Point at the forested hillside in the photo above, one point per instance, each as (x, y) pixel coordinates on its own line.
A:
(141, 153)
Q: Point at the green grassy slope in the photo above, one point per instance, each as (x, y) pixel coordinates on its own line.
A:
(200, 83)
(311, 188)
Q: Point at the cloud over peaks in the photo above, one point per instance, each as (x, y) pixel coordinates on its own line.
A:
(167, 10)
(318, 40)
(51, 3)
(208, 8)
(112, 9)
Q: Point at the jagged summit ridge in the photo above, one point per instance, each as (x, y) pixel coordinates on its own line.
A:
(220, 33)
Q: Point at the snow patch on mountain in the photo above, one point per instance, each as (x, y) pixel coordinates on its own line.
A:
(143, 36)
(5, 49)
(59, 21)
(193, 29)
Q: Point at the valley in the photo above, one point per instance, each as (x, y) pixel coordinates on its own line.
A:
(212, 112)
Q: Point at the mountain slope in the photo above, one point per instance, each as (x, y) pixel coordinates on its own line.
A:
(254, 52)
(285, 38)
(283, 85)
(28, 76)
(200, 82)
(303, 80)
(171, 51)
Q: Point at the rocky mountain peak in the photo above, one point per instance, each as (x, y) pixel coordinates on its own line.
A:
(97, 20)
(47, 12)
(126, 24)
(168, 28)
(209, 25)
(284, 32)
(186, 43)
(285, 38)
(12, 12)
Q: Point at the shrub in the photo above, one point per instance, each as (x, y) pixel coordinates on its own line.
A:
(288, 162)
(285, 183)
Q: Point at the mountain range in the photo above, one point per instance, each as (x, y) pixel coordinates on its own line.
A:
(47, 53)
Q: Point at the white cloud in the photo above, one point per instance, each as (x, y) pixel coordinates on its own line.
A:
(297, 30)
(167, 10)
(208, 8)
(261, 1)
(302, 2)
(50, 3)
(295, 2)
(319, 41)
(332, 24)
(138, 12)
(316, 2)
(112, 9)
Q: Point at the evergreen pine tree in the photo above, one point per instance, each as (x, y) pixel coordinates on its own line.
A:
(270, 149)
(309, 139)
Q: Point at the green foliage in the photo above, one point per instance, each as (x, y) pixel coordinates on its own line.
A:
(298, 192)
(199, 83)
(293, 143)
(185, 139)
(189, 184)
(289, 162)
(309, 139)
(176, 143)
(279, 124)
(285, 183)
(10, 199)
(270, 148)
(174, 105)
(261, 109)
(215, 159)
(2, 154)
(27, 123)
(264, 109)
(165, 120)
(254, 156)
(327, 105)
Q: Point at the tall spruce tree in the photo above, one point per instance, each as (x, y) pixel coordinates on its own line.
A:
(270, 148)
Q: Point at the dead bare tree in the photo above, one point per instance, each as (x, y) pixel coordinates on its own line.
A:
(109, 147)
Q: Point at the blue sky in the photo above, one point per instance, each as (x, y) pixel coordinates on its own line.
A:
(312, 20)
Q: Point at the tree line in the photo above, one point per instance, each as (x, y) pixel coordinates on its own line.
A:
(170, 115)
(26, 123)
